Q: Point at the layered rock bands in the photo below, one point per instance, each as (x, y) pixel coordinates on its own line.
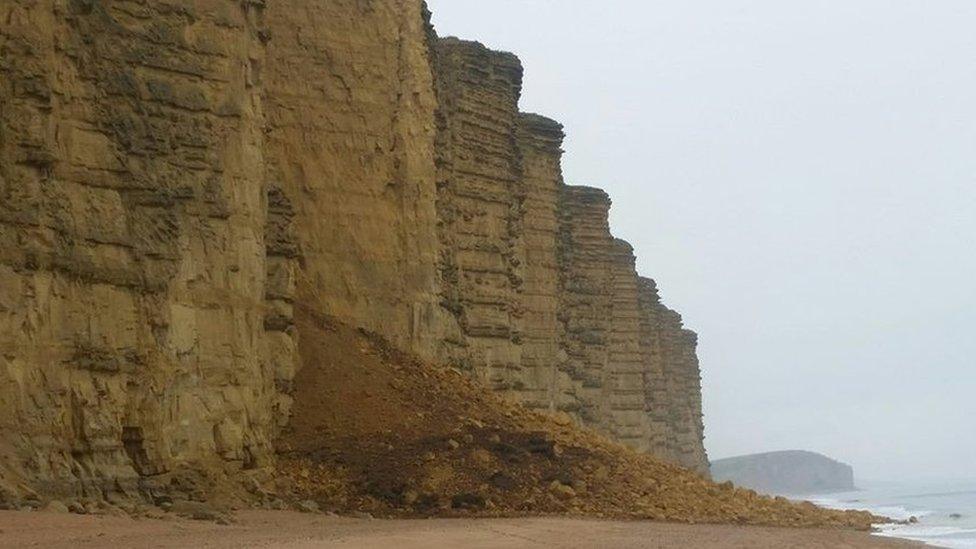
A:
(176, 176)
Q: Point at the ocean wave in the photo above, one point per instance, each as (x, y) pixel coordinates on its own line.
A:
(944, 536)
(932, 528)
(894, 512)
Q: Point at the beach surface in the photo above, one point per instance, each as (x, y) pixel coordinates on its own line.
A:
(282, 529)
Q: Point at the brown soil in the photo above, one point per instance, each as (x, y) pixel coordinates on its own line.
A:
(375, 430)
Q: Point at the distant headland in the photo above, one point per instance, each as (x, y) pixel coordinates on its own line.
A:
(786, 472)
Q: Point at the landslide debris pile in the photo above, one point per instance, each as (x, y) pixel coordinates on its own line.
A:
(376, 430)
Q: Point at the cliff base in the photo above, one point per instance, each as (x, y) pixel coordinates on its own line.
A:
(378, 431)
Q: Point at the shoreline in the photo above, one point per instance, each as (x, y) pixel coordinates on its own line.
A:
(293, 530)
(943, 511)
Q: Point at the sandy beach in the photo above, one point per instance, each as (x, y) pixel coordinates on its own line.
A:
(280, 529)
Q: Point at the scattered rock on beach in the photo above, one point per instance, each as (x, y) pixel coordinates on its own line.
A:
(55, 506)
(195, 510)
(561, 491)
(308, 506)
(468, 501)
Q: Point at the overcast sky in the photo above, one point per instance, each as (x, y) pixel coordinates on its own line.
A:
(800, 179)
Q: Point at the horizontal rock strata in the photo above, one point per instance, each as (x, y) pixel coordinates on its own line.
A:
(480, 206)
(545, 382)
(133, 264)
(175, 176)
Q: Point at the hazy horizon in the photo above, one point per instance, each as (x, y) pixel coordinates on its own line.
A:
(800, 179)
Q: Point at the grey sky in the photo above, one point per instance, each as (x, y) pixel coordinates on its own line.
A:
(800, 178)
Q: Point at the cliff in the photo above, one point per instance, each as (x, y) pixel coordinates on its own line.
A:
(788, 472)
(545, 299)
(136, 333)
(176, 176)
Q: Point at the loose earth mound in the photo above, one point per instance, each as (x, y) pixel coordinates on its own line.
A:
(375, 430)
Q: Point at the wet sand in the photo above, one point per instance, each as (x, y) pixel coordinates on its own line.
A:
(281, 529)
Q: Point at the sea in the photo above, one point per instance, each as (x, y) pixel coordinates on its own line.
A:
(945, 510)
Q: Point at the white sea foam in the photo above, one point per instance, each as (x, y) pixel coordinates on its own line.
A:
(942, 536)
(947, 523)
(895, 512)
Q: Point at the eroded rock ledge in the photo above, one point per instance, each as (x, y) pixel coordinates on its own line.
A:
(175, 176)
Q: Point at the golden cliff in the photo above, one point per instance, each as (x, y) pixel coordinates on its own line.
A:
(176, 176)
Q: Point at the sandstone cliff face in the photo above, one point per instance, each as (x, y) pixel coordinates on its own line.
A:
(350, 139)
(546, 384)
(133, 208)
(672, 385)
(480, 199)
(175, 176)
(547, 301)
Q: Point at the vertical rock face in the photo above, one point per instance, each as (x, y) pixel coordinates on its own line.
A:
(672, 383)
(350, 130)
(627, 370)
(176, 177)
(132, 266)
(548, 304)
(545, 382)
(480, 203)
(586, 300)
